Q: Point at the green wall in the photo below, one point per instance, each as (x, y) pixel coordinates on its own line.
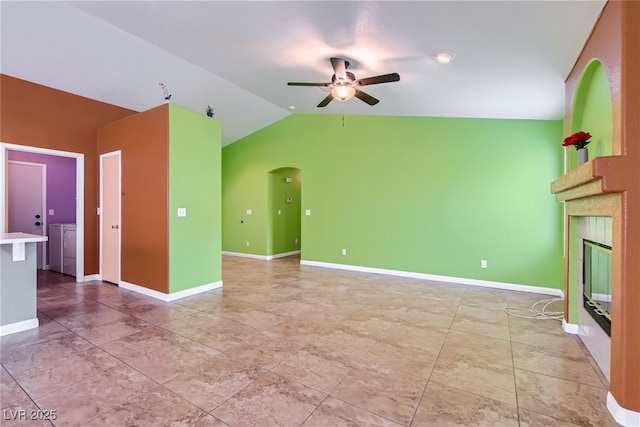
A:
(195, 184)
(284, 215)
(426, 195)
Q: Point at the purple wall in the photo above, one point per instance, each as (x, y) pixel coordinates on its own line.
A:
(61, 184)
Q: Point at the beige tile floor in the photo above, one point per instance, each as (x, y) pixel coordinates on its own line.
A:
(285, 345)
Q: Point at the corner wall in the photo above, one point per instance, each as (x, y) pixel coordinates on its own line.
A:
(195, 184)
(144, 141)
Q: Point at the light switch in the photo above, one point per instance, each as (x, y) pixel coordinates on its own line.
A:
(50, 211)
(279, 211)
(249, 212)
(307, 212)
(182, 212)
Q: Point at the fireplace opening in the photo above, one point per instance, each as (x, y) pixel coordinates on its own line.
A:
(596, 274)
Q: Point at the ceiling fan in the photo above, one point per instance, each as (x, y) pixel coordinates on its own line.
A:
(344, 85)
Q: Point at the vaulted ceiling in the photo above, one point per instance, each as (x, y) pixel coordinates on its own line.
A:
(511, 57)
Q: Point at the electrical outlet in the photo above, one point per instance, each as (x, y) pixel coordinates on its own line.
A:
(307, 212)
(247, 243)
(182, 212)
(296, 241)
(344, 252)
(483, 263)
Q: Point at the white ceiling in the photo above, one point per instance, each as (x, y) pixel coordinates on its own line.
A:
(511, 57)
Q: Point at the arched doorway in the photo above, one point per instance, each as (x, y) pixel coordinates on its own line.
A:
(284, 234)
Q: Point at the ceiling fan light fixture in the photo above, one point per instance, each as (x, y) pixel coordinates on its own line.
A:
(444, 56)
(343, 93)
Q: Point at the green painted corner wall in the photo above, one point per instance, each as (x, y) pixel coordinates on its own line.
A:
(426, 195)
(194, 184)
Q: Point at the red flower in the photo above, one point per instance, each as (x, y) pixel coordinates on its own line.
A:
(579, 140)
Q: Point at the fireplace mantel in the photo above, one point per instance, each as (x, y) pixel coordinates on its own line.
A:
(597, 177)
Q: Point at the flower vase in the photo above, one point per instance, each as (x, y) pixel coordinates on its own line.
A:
(583, 156)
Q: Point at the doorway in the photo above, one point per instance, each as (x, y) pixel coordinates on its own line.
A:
(110, 216)
(284, 234)
(79, 194)
(26, 203)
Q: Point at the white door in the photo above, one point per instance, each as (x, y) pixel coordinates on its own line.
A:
(110, 217)
(27, 200)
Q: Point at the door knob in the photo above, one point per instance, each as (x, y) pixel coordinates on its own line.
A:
(115, 226)
(37, 223)
(37, 216)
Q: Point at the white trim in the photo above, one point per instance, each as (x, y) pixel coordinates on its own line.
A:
(173, 296)
(101, 201)
(90, 278)
(570, 328)
(243, 255)
(282, 255)
(79, 192)
(437, 278)
(622, 415)
(260, 257)
(23, 325)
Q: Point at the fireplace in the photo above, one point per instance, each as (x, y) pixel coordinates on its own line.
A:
(596, 275)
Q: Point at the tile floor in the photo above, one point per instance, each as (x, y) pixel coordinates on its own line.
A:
(285, 345)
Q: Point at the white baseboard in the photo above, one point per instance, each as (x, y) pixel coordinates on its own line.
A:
(91, 278)
(570, 328)
(172, 296)
(437, 278)
(243, 255)
(622, 415)
(282, 255)
(23, 325)
(261, 257)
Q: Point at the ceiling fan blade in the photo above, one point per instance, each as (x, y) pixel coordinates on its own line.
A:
(385, 78)
(339, 68)
(366, 97)
(325, 101)
(307, 84)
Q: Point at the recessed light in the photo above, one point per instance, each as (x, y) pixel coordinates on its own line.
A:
(444, 56)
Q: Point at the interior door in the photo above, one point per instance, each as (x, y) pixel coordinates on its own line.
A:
(26, 201)
(110, 231)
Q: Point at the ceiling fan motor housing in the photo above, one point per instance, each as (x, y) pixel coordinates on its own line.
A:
(350, 79)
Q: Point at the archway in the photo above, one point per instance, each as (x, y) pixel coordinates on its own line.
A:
(284, 234)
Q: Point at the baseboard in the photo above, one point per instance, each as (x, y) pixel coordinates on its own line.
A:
(23, 325)
(570, 328)
(282, 255)
(437, 278)
(261, 257)
(91, 278)
(172, 296)
(243, 255)
(622, 415)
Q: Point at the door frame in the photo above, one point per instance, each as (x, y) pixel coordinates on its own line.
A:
(43, 183)
(79, 195)
(102, 157)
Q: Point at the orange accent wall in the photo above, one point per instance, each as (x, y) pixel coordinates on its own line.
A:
(39, 116)
(615, 41)
(144, 141)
